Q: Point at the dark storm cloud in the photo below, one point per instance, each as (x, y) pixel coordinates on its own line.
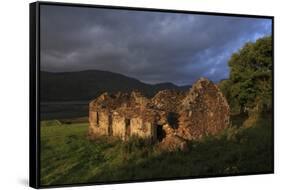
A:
(152, 47)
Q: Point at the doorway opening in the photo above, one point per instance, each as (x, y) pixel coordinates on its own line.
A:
(110, 125)
(161, 134)
(127, 128)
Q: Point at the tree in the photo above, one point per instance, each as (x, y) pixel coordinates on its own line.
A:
(249, 86)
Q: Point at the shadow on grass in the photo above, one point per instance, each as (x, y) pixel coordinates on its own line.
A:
(244, 152)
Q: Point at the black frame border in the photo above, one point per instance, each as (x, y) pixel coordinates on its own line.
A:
(34, 90)
(34, 120)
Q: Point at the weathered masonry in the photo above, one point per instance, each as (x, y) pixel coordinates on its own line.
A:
(170, 117)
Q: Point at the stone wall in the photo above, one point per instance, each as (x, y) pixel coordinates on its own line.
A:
(141, 128)
(170, 118)
(99, 122)
(118, 126)
(204, 111)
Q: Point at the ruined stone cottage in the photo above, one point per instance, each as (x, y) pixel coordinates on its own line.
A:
(171, 117)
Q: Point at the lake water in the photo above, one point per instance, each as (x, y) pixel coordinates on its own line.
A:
(63, 109)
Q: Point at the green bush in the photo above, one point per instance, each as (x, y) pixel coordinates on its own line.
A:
(250, 83)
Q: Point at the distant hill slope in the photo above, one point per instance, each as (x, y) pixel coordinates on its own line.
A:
(86, 85)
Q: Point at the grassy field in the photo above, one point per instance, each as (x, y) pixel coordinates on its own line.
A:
(67, 156)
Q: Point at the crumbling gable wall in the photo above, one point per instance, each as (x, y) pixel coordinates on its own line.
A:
(204, 111)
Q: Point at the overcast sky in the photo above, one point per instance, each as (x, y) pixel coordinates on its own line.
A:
(153, 47)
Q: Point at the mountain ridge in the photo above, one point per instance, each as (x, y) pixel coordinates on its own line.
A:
(88, 84)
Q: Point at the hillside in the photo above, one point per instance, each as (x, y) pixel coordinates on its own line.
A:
(86, 85)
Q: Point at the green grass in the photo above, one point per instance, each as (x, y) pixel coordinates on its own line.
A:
(67, 156)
